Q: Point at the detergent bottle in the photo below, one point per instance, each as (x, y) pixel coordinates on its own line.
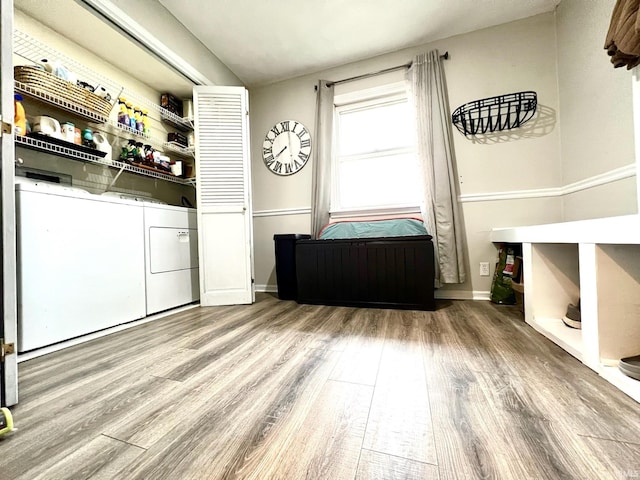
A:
(19, 119)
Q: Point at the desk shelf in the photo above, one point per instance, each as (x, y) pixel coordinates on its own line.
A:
(598, 262)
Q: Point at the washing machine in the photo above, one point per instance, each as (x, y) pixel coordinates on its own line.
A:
(80, 263)
(171, 256)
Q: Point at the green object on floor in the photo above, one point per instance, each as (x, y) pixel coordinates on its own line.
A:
(501, 288)
(6, 421)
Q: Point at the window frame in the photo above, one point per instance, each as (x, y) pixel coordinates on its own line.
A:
(360, 100)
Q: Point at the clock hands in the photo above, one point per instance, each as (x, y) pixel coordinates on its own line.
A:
(280, 152)
(290, 154)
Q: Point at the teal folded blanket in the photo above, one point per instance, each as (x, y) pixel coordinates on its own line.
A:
(399, 227)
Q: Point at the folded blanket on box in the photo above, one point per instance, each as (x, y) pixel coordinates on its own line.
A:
(397, 227)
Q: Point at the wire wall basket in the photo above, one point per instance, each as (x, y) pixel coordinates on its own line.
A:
(503, 112)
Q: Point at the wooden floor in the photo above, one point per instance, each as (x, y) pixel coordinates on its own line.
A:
(277, 390)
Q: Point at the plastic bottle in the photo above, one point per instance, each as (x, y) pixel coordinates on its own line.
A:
(130, 113)
(87, 138)
(123, 114)
(137, 111)
(20, 118)
(128, 151)
(138, 158)
(148, 155)
(145, 123)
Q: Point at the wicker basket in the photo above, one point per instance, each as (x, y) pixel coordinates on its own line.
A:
(49, 83)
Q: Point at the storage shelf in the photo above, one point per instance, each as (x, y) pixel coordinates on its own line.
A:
(181, 123)
(59, 150)
(569, 339)
(34, 51)
(177, 148)
(118, 128)
(39, 145)
(628, 385)
(598, 262)
(58, 102)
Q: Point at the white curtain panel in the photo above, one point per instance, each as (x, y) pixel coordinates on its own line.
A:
(435, 154)
(321, 183)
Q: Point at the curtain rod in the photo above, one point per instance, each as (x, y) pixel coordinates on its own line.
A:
(445, 56)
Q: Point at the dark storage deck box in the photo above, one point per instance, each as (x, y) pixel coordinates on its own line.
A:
(390, 272)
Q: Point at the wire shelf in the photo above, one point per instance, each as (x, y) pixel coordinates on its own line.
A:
(68, 152)
(52, 99)
(177, 148)
(119, 127)
(499, 113)
(34, 51)
(184, 124)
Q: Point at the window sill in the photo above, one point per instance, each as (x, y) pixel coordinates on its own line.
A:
(380, 212)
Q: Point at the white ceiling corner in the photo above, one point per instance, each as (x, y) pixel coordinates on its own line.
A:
(263, 41)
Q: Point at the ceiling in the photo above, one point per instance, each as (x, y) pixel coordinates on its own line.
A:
(263, 41)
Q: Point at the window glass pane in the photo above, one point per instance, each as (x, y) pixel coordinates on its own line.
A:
(376, 129)
(379, 181)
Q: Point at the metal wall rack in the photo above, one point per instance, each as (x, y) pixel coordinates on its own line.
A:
(503, 112)
(67, 152)
(34, 51)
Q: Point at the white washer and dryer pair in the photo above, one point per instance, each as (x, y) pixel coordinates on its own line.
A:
(89, 262)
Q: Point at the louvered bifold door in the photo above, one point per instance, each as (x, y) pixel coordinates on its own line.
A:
(223, 183)
(8, 302)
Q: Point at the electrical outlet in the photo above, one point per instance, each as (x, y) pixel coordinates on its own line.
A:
(484, 269)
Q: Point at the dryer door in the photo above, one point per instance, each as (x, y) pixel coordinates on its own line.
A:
(172, 249)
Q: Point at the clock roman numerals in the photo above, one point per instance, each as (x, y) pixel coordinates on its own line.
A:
(283, 153)
(269, 160)
(298, 164)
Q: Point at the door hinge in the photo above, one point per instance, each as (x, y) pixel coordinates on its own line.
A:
(7, 128)
(6, 349)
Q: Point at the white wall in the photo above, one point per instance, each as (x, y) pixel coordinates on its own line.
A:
(596, 116)
(152, 15)
(498, 60)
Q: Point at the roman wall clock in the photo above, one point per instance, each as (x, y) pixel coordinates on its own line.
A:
(287, 147)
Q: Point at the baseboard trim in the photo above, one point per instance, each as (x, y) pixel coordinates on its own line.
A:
(439, 293)
(266, 288)
(282, 211)
(591, 182)
(462, 295)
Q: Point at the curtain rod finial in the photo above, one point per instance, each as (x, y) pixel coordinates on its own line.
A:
(445, 56)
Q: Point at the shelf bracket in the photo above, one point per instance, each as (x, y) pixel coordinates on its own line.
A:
(115, 179)
(7, 128)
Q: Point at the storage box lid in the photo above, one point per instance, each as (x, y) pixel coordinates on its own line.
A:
(291, 236)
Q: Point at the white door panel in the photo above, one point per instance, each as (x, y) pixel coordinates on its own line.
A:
(225, 236)
(8, 302)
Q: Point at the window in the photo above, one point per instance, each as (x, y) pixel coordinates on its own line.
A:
(375, 165)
